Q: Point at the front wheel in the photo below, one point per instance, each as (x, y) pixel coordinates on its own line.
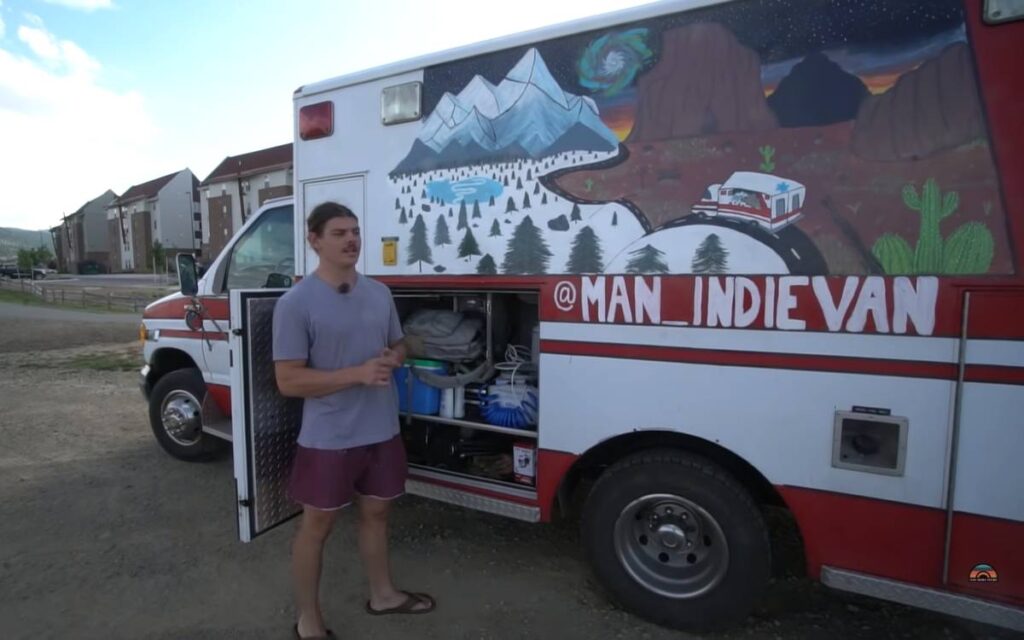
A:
(175, 414)
(676, 540)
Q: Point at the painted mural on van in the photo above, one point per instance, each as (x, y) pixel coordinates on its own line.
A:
(762, 137)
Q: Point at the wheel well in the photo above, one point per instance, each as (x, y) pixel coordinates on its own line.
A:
(164, 361)
(593, 463)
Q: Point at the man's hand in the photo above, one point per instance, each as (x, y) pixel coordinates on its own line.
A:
(375, 372)
(391, 357)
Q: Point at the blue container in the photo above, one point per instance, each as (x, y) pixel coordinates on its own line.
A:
(425, 398)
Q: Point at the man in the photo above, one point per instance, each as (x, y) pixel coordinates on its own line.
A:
(337, 338)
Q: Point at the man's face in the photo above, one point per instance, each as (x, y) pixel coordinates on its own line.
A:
(340, 243)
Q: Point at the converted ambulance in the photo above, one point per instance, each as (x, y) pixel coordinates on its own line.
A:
(584, 346)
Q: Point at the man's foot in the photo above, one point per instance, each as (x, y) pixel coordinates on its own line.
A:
(304, 632)
(401, 602)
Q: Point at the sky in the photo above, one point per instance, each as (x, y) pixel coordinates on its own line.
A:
(104, 94)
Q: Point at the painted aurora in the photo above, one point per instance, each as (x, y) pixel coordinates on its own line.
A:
(706, 143)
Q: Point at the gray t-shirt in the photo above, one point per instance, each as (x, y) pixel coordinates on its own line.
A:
(332, 330)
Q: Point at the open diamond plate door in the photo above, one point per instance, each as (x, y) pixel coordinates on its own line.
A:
(264, 423)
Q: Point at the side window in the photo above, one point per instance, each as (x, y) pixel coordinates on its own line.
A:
(265, 249)
(780, 207)
(796, 201)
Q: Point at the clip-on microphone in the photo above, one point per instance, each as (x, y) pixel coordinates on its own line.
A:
(343, 287)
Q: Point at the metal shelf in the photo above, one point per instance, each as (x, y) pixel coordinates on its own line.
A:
(481, 426)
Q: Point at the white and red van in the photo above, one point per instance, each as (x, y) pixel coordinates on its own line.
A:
(861, 367)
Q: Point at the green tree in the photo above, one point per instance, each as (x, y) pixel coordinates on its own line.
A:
(647, 259)
(486, 266)
(419, 250)
(159, 256)
(575, 216)
(495, 229)
(468, 247)
(711, 256)
(441, 236)
(527, 252)
(586, 255)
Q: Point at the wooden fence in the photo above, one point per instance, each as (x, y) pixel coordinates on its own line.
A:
(79, 296)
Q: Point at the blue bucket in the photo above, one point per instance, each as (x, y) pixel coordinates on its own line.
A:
(425, 398)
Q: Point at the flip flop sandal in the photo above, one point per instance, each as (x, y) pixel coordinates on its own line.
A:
(330, 635)
(407, 607)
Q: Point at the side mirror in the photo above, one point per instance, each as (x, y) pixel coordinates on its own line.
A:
(187, 275)
(278, 281)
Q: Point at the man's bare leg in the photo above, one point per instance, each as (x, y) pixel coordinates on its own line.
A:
(373, 546)
(307, 562)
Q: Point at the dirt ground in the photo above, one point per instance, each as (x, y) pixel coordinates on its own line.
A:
(102, 535)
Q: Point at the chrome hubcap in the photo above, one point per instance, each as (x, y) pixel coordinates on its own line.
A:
(671, 546)
(181, 417)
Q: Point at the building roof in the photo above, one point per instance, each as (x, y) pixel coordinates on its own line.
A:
(233, 167)
(146, 189)
(105, 199)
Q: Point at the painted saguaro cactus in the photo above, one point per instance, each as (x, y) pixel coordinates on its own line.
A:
(968, 250)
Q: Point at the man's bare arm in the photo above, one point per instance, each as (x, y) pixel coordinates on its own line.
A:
(296, 380)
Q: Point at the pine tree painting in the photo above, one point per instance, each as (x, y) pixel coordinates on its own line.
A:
(495, 229)
(462, 217)
(398, 205)
(711, 256)
(615, 219)
(419, 250)
(527, 251)
(586, 255)
(468, 247)
(441, 236)
(402, 219)
(544, 198)
(486, 266)
(575, 216)
(476, 209)
(526, 201)
(511, 205)
(491, 203)
(647, 259)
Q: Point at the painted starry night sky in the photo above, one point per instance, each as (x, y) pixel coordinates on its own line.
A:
(873, 35)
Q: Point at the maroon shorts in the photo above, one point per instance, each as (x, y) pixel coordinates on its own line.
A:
(331, 478)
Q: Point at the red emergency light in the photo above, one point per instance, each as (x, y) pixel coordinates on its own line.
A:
(316, 120)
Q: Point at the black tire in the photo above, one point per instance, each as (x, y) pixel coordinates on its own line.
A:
(179, 394)
(679, 499)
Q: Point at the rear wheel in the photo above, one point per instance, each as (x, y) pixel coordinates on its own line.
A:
(175, 414)
(676, 540)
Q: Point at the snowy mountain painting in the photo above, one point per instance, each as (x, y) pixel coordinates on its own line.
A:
(527, 115)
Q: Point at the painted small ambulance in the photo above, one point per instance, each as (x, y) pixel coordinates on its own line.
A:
(863, 371)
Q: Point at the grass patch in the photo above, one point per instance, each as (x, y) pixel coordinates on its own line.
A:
(123, 361)
(19, 297)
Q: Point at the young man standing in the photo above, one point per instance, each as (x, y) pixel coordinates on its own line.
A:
(337, 338)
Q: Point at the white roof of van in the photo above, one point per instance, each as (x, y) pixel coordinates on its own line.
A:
(761, 183)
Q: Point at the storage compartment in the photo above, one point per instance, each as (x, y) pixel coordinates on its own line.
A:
(473, 379)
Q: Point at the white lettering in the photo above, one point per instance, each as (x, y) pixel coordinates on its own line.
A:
(871, 300)
(647, 301)
(769, 302)
(593, 294)
(916, 304)
(720, 302)
(834, 314)
(787, 302)
(698, 301)
(620, 298)
(744, 316)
